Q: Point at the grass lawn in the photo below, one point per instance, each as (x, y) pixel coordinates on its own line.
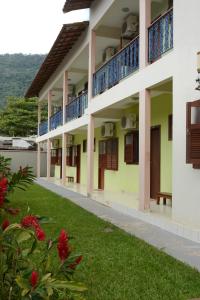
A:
(116, 266)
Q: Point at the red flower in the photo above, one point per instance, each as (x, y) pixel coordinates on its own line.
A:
(77, 262)
(5, 224)
(32, 221)
(3, 189)
(63, 246)
(34, 279)
(29, 221)
(40, 234)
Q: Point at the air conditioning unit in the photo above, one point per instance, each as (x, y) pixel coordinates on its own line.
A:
(129, 122)
(130, 26)
(55, 144)
(70, 139)
(107, 129)
(108, 53)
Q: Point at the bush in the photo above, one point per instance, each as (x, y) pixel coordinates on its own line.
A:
(27, 270)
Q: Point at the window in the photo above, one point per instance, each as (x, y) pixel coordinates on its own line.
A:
(170, 127)
(193, 134)
(85, 145)
(131, 148)
(71, 158)
(112, 154)
(56, 156)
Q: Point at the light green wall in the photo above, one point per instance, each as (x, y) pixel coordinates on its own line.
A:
(127, 177)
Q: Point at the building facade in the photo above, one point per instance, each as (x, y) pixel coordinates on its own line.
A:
(123, 116)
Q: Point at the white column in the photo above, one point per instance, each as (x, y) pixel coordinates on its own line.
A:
(48, 159)
(90, 156)
(145, 21)
(49, 108)
(144, 149)
(65, 94)
(39, 117)
(92, 63)
(64, 143)
(38, 160)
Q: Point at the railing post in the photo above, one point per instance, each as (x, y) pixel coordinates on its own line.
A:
(145, 21)
(65, 94)
(49, 109)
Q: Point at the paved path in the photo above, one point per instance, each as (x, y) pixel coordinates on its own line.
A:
(180, 248)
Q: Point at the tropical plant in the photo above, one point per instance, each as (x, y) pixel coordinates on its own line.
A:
(27, 267)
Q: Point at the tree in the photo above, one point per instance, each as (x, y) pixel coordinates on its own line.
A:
(19, 117)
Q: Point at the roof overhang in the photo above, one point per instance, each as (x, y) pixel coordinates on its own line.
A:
(71, 5)
(66, 39)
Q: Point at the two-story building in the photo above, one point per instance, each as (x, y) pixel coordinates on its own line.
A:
(120, 128)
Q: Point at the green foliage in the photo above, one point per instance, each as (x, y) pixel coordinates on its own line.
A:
(19, 117)
(17, 73)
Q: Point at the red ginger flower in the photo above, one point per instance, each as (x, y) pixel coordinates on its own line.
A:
(3, 189)
(32, 221)
(63, 246)
(5, 224)
(40, 234)
(77, 262)
(34, 279)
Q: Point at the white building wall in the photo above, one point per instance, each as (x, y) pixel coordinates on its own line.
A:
(186, 180)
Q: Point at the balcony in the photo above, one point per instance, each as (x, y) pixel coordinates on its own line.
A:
(56, 120)
(76, 108)
(161, 36)
(43, 128)
(118, 67)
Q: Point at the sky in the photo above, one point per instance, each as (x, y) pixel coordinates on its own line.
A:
(31, 26)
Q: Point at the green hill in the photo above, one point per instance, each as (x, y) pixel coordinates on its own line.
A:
(16, 73)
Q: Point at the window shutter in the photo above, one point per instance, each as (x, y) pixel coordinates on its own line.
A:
(109, 154)
(131, 148)
(193, 134)
(69, 156)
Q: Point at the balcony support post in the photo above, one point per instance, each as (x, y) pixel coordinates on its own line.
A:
(144, 149)
(145, 21)
(92, 63)
(48, 159)
(38, 160)
(64, 153)
(90, 156)
(49, 109)
(65, 94)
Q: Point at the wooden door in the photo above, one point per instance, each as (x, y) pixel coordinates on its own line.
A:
(102, 160)
(155, 162)
(78, 164)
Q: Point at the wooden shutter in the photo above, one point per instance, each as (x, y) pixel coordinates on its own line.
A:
(69, 156)
(193, 134)
(109, 154)
(114, 163)
(131, 148)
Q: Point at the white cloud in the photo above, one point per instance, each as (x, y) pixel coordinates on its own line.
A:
(31, 26)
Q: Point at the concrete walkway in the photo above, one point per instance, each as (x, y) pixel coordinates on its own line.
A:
(180, 248)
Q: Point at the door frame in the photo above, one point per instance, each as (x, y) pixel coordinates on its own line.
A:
(156, 127)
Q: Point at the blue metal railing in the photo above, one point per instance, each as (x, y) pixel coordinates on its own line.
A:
(76, 108)
(43, 127)
(161, 36)
(56, 120)
(119, 66)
